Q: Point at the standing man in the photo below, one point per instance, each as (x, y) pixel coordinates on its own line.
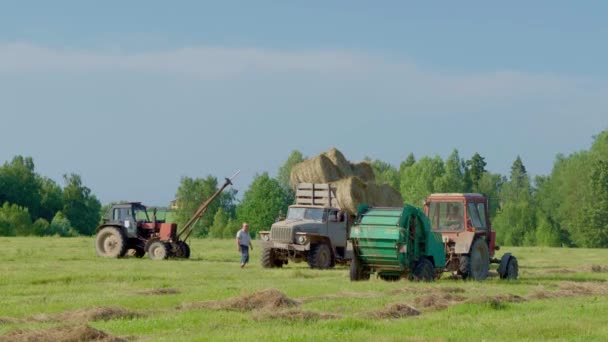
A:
(243, 243)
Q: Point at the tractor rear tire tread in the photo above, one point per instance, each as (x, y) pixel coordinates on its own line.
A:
(111, 249)
(479, 257)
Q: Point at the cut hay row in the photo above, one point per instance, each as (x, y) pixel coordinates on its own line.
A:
(272, 304)
(61, 333)
(263, 299)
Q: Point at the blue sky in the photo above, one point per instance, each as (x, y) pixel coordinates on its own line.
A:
(133, 95)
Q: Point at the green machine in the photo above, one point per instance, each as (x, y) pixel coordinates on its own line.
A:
(395, 243)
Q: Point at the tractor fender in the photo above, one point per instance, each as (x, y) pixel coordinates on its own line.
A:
(463, 242)
(504, 261)
(100, 227)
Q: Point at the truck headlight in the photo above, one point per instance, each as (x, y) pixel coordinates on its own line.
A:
(302, 239)
(265, 237)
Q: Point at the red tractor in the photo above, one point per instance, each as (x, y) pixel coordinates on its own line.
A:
(464, 223)
(128, 227)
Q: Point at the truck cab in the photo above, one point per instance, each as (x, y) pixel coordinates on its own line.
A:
(315, 230)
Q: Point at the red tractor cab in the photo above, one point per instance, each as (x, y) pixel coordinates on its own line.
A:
(470, 244)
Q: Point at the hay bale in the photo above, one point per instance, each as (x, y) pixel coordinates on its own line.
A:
(364, 171)
(383, 195)
(96, 314)
(348, 179)
(338, 159)
(319, 169)
(350, 192)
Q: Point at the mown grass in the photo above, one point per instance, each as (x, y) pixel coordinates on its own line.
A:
(57, 275)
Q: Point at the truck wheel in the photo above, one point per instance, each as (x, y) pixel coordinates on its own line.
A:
(111, 242)
(320, 256)
(269, 259)
(479, 258)
(158, 250)
(512, 269)
(424, 270)
(357, 270)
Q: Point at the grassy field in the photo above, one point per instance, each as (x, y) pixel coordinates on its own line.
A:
(58, 287)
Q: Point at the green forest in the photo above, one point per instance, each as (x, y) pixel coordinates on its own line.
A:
(568, 207)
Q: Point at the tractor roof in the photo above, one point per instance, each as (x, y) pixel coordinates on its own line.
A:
(456, 195)
(129, 204)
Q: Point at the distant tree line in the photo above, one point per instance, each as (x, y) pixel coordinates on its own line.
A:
(35, 205)
(568, 207)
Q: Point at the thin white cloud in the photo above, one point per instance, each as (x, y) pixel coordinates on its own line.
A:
(398, 80)
(201, 62)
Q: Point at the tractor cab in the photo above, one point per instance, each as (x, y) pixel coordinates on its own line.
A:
(457, 212)
(456, 215)
(464, 223)
(130, 215)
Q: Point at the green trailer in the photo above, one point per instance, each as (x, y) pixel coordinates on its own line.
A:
(395, 243)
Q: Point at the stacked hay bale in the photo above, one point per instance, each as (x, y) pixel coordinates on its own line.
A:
(364, 171)
(354, 183)
(319, 169)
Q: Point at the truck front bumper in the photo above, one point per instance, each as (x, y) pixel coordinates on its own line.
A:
(284, 245)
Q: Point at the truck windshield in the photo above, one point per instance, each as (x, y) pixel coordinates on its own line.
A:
(315, 214)
(446, 215)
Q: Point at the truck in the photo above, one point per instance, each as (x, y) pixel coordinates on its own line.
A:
(315, 230)
(395, 243)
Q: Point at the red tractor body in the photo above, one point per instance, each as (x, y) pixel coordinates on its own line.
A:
(128, 227)
(464, 223)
